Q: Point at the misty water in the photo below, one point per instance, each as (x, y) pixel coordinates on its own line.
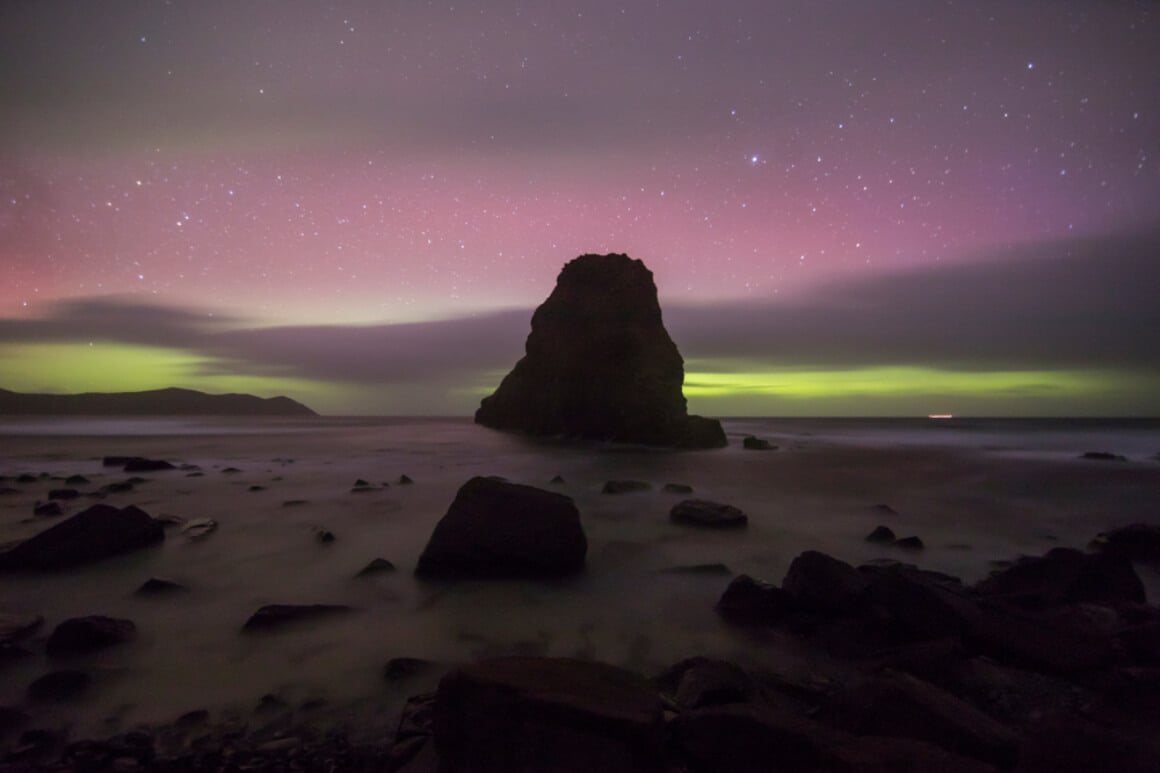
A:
(976, 492)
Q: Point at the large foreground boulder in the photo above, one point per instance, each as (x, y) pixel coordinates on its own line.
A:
(599, 364)
(500, 529)
(524, 714)
(96, 533)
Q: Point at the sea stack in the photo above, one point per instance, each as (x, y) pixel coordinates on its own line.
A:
(599, 364)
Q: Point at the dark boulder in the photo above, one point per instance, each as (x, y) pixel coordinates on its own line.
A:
(706, 514)
(909, 543)
(63, 493)
(749, 602)
(99, 532)
(82, 635)
(1135, 542)
(276, 616)
(525, 714)
(753, 443)
(599, 364)
(499, 529)
(400, 669)
(818, 582)
(59, 686)
(140, 464)
(1065, 576)
(76, 480)
(677, 488)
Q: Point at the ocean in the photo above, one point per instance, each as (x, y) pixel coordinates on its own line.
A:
(978, 492)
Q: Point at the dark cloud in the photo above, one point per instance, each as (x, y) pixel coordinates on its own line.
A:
(1078, 303)
(1074, 304)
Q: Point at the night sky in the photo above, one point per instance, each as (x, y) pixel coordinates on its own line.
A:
(856, 208)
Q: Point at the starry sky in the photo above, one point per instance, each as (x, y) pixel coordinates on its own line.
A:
(850, 208)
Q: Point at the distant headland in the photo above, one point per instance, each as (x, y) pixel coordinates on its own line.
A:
(155, 402)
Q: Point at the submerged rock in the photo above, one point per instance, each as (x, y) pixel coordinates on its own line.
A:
(58, 686)
(500, 529)
(156, 586)
(377, 566)
(140, 464)
(881, 534)
(624, 486)
(99, 532)
(274, 616)
(753, 443)
(599, 364)
(1065, 576)
(1103, 456)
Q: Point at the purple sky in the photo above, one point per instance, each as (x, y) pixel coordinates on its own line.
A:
(299, 168)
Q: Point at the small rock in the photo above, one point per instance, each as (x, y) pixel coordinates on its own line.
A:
(155, 586)
(557, 479)
(398, 669)
(753, 443)
(909, 543)
(294, 502)
(712, 515)
(26, 477)
(257, 488)
(63, 493)
(624, 486)
(117, 488)
(1103, 456)
(47, 509)
(231, 470)
(276, 616)
(323, 536)
(705, 569)
(360, 483)
(405, 480)
(76, 480)
(677, 488)
(81, 635)
(377, 566)
(750, 602)
(881, 534)
(199, 528)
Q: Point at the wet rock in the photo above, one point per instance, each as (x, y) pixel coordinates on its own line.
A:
(753, 443)
(698, 682)
(816, 581)
(76, 480)
(295, 502)
(323, 536)
(119, 487)
(677, 488)
(255, 488)
(99, 532)
(405, 480)
(881, 534)
(1135, 542)
(497, 529)
(118, 461)
(360, 483)
(47, 509)
(710, 515)
(1065, 576)
(624, 486)
(276, 616)
(747, 601)
(909, 543)
(744, 738)
(59, 686)
(155, 586)
(547, 714)
(377, 566)
(895, 704)
(599, 364)
(199, 528)
(63, 493)
(557, 479)
(82, 635)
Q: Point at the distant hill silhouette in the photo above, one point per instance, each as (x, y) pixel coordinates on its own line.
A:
(156, 402)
